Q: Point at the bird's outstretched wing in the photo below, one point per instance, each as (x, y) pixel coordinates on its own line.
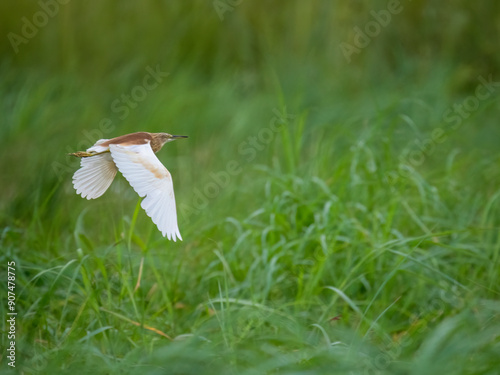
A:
(150, 179)
(95, 175)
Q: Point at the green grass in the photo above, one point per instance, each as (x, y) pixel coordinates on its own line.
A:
(330, 246)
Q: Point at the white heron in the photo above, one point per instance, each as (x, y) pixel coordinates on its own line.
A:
(134, 156)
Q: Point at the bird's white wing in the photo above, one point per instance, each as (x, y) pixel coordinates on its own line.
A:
(95, 175)
(150, 179)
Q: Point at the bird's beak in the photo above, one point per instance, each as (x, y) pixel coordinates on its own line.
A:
(178, 136)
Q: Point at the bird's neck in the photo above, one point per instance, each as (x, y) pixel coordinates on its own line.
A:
(156, 145)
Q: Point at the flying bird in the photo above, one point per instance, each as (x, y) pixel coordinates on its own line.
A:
(134, 156)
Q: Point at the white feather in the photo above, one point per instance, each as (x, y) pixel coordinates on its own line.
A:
(97, 146)
(150, 179)
(95, 175)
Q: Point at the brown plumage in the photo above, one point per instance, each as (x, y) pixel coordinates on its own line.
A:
(156, 140)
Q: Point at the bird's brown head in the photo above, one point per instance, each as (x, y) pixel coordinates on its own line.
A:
(159, 139)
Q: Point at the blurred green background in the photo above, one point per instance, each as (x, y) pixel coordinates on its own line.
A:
(338, 195)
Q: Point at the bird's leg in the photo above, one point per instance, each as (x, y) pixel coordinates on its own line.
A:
(85, 154)
(81, 154)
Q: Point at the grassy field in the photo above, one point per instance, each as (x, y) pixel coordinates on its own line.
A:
(340, 213)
